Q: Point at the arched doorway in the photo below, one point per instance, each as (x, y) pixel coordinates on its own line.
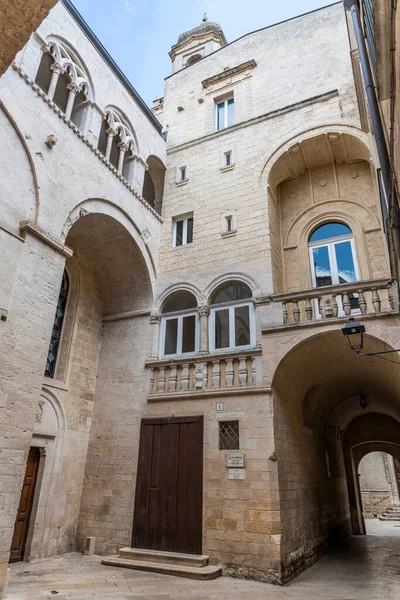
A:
(321, 394)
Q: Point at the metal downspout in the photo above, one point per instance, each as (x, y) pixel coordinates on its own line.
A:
(353, 7)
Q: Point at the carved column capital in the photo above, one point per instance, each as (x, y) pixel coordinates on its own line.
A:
(203, 310)
(155, 318)
(73, 87)
(123, 147)
(56, 68)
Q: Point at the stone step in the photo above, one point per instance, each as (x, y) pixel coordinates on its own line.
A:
(171, 558)
(389, 518)
(393, 509)
(201, 573)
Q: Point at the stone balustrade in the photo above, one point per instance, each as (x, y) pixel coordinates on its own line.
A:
(360, 297)
(210, 373)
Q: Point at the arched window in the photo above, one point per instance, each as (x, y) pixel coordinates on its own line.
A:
(57, 327)
(62, 76)
(179, 325)
(332, 255)
(117, 142)
(192, 59)
(232, 322)
(153, 182)
(333, 260)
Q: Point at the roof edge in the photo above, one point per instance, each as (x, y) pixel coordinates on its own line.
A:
(257, 30)
(73, 11)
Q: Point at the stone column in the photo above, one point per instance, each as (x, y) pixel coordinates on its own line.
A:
(110, 135)
(73, 91)
(57, 71)
(204, 311)
(122, 149)
(155, 319)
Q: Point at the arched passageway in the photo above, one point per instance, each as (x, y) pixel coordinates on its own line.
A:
(153, 183)
(324, 398)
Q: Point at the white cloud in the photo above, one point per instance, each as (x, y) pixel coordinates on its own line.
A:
(129, 7)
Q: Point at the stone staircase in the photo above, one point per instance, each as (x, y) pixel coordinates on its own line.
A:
(191, 566)
(392, 513)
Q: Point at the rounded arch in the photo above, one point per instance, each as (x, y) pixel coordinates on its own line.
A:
(49, 395)
(311, 218)
(72, 62)
(174, 289)
(235, 277)
(119, 121)
(118, 266)
(32, 209)
(153, 182)
(192, 59)
(179, 300)
(106, 207)
(269, 160)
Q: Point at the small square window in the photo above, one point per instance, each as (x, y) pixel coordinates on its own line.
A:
(183, 231)
(229, 435)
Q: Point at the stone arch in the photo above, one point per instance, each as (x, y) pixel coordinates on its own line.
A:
(66, 54)
(360, 223)
(28, 192)
(173, 289)
(49, 435)
(365, 434)
(315, 176)
(239, 277)
(269, 160)
(106, 207)
(153, 182)
(317, 381)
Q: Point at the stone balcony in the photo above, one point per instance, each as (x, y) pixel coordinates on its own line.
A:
(318, 305)
(206, 375)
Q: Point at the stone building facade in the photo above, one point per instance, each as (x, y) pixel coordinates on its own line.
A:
(198, 395)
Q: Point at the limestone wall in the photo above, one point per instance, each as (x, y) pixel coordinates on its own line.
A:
(53, 188)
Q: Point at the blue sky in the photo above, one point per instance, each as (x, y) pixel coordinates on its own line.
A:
(139, 33)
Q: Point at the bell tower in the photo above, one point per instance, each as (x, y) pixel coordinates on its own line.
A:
(196, 43)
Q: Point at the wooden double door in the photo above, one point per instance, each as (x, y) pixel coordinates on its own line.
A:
(25, 506)
(169, 488)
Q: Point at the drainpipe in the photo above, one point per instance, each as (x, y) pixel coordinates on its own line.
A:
(353, 7)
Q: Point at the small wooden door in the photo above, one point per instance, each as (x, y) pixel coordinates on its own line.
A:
(25, 506)
(169, 488)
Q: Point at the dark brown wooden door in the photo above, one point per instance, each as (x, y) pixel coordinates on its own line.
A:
(169, 488)
(25, 506)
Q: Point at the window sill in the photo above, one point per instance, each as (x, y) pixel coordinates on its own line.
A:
(183, 182)
(227, 168)
(226, 234)
(182, 246)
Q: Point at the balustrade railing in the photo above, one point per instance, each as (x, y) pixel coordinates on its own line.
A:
(206, 373)
(360, 297)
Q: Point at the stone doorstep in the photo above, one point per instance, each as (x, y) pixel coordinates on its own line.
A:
(155, 556)
(202, 573)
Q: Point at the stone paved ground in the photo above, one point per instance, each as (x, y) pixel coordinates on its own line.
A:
(365, 568)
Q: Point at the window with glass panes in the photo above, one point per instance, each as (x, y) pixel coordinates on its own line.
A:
(232, 323)
(224, 113)
(179, 326)
(183, 231)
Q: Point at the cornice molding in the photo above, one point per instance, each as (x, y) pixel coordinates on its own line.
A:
(250, 64)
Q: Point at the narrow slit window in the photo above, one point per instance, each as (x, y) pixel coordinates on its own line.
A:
(183, 173)
(224, 113)
(228, 159)
(228, 222)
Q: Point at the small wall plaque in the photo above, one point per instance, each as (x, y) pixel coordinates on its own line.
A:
(237, 474)
(235, 460)
(220, 406)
